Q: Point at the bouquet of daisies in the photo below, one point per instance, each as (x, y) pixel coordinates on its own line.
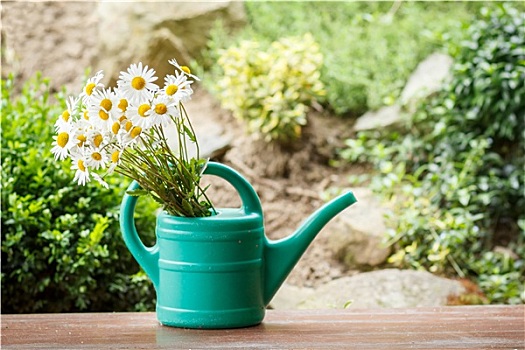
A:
(124, 130)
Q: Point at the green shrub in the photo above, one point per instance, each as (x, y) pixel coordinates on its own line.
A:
(271, 87)
(369, 48)
(458, 175)
(61, 244)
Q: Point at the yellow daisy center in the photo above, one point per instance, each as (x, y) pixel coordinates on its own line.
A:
(89, 88)
(115, 127)
(123, 104)
(161, 108)
(96, 156)
(143, 109)
(97, 140)
(81, 139)
(66, 115)
(121, 119)
(115, 156)
(62, 139)
(81, 166)
(185, 69)
(106, 104)
(135, 131)
(129, 125)
(171, 89)
(86, 115)
(103, 115)
(138, 83)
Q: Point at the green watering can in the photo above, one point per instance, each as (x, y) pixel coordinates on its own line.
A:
(220, 271)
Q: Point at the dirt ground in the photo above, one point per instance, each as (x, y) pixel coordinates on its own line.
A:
(59, 41)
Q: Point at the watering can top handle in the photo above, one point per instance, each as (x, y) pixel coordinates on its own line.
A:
(250, 199)
(147, 257)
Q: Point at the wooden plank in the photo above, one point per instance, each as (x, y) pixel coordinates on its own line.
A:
(463, 327)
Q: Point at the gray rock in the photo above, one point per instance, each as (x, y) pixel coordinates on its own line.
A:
(382, 118)
(214, 139)
(427, 78)
(389, 288)
(356, 235)
(290, 297)
(154, 32)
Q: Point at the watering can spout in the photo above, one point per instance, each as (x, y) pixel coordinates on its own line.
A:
(282, 255)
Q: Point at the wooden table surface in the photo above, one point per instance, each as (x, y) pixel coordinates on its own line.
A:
(459, 327)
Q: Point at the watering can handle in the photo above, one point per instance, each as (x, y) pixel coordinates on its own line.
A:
(148, 257)
(250, 199)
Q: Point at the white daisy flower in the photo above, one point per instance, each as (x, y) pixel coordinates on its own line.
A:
(177, 87)
(92, 85)
(100, 180)
(79, 134)
(103, 108)
(162, 110)
(131, 137)
(116, 127)
(125, 125)
(81, 139)
(139, 115)
(82, 171)
(123, 102)
(182, 69)
(118, 131)
(114, 160)
(66, 118)
(84, 114)
(62, 143)
(123, 105)
(96, 139)
(95, 158)
(136, 85)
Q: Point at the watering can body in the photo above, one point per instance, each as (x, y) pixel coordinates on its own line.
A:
(219, 271)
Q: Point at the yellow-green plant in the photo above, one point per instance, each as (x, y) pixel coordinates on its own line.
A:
(271, 88)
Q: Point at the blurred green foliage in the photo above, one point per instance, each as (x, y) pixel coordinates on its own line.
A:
(457, 173)
(272, 87)
(61, 245)
(369, 48)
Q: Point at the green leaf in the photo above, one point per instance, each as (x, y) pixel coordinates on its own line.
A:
(190, 134)
(137, 193)
(188, 208)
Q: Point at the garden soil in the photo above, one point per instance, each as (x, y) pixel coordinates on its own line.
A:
(292, 181)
